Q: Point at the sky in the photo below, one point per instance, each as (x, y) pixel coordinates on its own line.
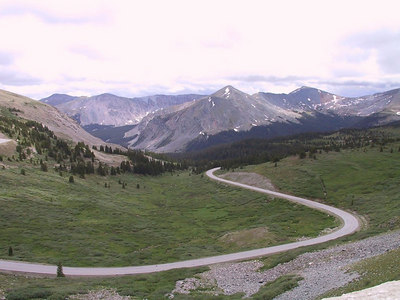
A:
(136, 48)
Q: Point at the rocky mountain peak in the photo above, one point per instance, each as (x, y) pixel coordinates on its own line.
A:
(229, 92)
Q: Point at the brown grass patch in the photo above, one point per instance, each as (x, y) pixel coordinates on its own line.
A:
(248, 237)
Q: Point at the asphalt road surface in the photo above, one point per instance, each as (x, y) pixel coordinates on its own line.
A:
(4, 141)
(349, 225)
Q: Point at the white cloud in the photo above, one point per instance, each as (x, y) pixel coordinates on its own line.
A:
(143, 47)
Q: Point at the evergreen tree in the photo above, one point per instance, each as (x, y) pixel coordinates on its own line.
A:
(60, 272)
(10, 251)
(113, 171)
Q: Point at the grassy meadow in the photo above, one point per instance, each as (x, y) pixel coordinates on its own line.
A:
(362, 180)
(44, 218)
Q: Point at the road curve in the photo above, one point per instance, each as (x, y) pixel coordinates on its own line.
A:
(350, 225)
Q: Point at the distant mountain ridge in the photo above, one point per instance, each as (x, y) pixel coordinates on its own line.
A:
(109, 109)
(190, 122)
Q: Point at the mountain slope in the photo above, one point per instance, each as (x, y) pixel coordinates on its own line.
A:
(109, 109)
(57, 99)
(310, 99)
(59, 123)
(302, 99)
(226, 109)
(231, 115)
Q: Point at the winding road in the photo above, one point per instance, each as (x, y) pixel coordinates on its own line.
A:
(349, 225)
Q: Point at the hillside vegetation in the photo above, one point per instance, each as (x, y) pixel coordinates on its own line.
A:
(60, 203)
(360, 175)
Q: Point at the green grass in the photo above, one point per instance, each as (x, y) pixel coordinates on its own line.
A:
(152, 286)
(277, 287)
(46, 219)
(364, 182)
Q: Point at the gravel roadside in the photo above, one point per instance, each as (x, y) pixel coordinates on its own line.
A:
(99, 295)
(322, 270)
(253, 179)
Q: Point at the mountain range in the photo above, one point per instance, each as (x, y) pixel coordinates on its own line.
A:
(109, 109)
(167, 123)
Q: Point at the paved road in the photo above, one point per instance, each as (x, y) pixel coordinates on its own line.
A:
(350, 225)
(4, 141)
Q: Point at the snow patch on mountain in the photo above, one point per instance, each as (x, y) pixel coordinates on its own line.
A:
(227, 92)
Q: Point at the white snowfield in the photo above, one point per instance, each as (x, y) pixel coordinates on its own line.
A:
(385, 291)
(349, 226)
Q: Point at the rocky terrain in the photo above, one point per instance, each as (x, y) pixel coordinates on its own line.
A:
(99, 295)
(316, 268)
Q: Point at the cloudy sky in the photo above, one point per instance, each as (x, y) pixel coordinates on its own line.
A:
(135, 48)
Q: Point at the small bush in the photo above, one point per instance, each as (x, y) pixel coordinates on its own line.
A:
(23, 172)
(71, 179)
(43, 167)
(28, 293)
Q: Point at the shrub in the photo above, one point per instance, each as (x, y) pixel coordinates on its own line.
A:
(28, 293)
(43, 167)
(71, 179)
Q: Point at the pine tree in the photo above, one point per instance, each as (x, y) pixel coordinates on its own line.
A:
(60, 272)
(10, 251)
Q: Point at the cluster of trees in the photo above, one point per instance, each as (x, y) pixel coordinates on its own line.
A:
(141, 163)
(109, 150)
(304, 145)
(77, 159)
